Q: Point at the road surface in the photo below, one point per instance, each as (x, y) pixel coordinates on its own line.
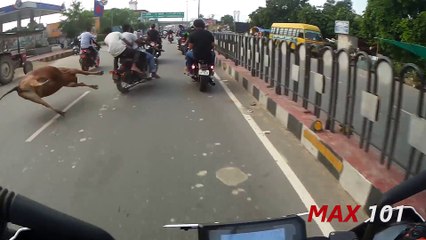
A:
(164, 153)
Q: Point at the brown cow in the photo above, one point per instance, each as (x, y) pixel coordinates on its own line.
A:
(46, 81)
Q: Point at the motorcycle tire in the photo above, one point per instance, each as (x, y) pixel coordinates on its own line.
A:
(27, 67)
(121, 88)
(204, 83)
(83, 64)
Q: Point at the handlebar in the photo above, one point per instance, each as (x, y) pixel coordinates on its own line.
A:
(45, 221)
(402, 191)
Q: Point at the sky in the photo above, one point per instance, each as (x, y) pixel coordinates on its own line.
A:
(208, 7)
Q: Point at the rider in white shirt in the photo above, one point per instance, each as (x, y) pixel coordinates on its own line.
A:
(133, 39)
(86, 42)
(118, 47)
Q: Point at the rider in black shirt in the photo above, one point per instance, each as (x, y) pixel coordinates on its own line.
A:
(154, 35)
(201, 43)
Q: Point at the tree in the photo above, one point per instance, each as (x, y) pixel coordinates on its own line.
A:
(397, 20)
(277, 11)
(337, 10)
(260, 18)
(118, 17)
(227, 20)
(78, 20)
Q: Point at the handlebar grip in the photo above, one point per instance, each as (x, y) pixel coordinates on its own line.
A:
(405, 190)
(46, 221)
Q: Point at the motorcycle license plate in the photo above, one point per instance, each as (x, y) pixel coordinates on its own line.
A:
(204, 72)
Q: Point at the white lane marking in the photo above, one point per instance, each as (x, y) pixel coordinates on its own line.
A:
(46, 125)
(281, 161)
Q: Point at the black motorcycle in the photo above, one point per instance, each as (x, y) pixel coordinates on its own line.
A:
(154, 49)
(125, 79)
(202, 73)
(182, 45)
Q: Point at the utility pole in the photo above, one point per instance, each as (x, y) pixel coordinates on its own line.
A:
(187, 10)
(199, 8)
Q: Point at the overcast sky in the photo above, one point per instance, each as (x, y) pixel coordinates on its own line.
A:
(208, 7)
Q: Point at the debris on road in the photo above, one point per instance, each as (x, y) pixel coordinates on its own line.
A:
(202, 173)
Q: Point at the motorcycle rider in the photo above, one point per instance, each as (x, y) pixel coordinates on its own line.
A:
(154, 36)
(135, 41)
(170, 33)
(201, 45)
(86, 42)
(118, 47)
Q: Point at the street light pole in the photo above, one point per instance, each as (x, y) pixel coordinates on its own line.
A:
(199, 8)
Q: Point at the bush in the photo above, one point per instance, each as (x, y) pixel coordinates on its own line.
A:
(100, 37)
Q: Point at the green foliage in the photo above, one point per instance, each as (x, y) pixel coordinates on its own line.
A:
(227, 20)
(277, 11)
(401, 20)
(78, 20)
(118, 17)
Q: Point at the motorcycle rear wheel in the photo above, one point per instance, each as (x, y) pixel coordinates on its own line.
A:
(204, 82)
(121, 88)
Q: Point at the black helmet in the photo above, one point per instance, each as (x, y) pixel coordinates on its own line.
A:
(199, 23)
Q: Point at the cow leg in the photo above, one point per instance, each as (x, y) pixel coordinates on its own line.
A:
(33, 97)
(80, 84)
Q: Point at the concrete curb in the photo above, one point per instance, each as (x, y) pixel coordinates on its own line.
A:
(350, 178)
(52, 57)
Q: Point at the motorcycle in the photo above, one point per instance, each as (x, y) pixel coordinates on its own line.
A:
(125, 79)
(170, 38)
(75, 48)
(182, 45)
(202, 73)
(154, 49)
(41, 222)
(86, 59)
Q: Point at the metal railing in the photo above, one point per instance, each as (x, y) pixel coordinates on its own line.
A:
(365, 97)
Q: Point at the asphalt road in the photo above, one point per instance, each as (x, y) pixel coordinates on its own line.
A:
(164, 153)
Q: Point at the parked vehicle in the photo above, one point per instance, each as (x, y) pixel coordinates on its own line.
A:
(11, 59)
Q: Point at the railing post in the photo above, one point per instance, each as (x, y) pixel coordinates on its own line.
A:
(278, 86)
